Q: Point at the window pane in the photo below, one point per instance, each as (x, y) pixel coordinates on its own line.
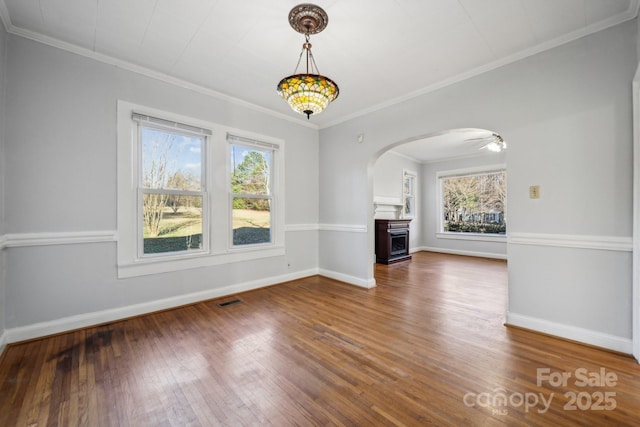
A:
(475, 203)
(171, 160)
(408, 185)
(251, 172)
(251, 221)
(172, 223)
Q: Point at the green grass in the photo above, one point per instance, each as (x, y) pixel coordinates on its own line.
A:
(249, 227)
(185, 222)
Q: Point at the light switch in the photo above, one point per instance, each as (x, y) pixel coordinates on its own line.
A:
(534, 192)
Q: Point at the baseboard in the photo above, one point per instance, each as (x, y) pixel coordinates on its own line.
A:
(38, 330)
(587, 336)
(457, 252)
(352, 280)
(3, 343)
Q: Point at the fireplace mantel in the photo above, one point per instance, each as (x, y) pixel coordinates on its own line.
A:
(392, 240)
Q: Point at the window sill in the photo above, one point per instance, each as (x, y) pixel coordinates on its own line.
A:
(157, 265)
(480, 237)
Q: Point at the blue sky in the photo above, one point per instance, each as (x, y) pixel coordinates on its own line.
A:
(182, 152)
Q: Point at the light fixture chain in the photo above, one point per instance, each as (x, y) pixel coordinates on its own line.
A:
(295, 71)
(314, 67)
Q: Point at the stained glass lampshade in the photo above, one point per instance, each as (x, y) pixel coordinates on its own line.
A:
(311, 92)
(308, 93)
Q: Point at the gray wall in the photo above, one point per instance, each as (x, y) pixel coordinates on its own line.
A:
(60, 135)
(431, 215)
(566, 113)
(3, 268)
(387, 183)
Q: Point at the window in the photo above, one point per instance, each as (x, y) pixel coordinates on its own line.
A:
(473, 202)
(183, 204)
(171, 191)
(250, 189)
(408, 194)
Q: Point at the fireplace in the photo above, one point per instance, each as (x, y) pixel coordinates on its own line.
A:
(392, 240)
(399, 242)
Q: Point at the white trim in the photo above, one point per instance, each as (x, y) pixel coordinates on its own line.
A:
(58, 238)
(301, 227)
(129, 255)
(15, 240)
(629, 14)
(475, 170)
(491, 255)
(4, 16)
(70, 323)
(352, 280)
(125, 65)
(413, 177)
(344, 228)
(4, 340)
(635, 285)
(479, 237)
(392, 201)
(574, 333)
(168, 264)
(605, 243)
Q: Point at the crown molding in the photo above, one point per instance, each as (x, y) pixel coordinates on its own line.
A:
(628, 15)
(125, 65)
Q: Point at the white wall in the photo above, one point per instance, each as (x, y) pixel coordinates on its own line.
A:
(431, 215)
(3, 268)
(388, 184)
(566, 113)
(60, 135)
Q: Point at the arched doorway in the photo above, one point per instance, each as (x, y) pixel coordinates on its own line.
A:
(425, 158)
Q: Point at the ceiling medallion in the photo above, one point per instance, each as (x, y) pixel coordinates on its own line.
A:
(308, 19)
(310, 92)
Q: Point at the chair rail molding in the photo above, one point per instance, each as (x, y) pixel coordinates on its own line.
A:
(349, 228)
(58, 238)
(15, 240)
(579, 241)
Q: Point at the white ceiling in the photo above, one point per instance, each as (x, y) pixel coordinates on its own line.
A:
(379, 52)
(448, 145)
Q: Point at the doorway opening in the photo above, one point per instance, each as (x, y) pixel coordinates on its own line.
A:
(426, 159)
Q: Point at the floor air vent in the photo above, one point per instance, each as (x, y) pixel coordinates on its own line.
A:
(228, 303)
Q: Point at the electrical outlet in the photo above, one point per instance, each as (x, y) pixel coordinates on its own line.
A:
(534, 192)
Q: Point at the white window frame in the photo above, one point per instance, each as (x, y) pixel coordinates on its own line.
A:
(150, 122)
(218, 206)
(249, 143)
(440, 233)
(413, 179)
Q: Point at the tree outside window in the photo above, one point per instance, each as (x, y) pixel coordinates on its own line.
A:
(171, 190)
(474, 203)
(251, 195)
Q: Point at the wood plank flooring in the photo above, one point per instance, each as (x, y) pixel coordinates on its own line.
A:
(427, 346)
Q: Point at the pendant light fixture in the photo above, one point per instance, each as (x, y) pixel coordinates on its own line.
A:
(311, 92)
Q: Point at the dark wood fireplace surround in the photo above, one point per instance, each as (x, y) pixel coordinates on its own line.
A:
(392, 240)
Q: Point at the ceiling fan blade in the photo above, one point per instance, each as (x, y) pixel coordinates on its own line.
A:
(493, 136)
(480, 139)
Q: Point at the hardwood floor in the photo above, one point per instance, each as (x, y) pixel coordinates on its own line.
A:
(425, 347)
